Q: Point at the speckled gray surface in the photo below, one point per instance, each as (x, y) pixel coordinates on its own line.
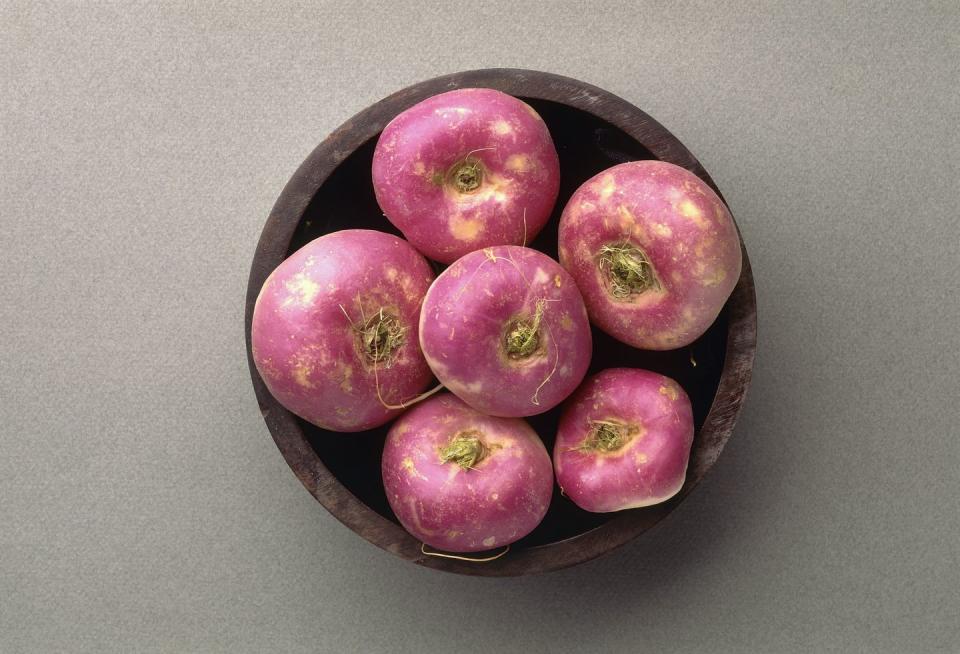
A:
(145, 508)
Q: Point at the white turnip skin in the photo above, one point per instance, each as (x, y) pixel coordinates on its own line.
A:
(654, 251)
(462, 481)
(624, 441)
(465, 170)
(334, 332)
(505, 329)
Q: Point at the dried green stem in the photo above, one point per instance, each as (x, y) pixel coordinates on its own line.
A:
(467, 175)
(465, 449)
(522, 337)
(627, 268)
(608, 435)
(380, 336)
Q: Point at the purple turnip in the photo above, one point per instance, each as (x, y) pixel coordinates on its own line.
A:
(505, 329)
(465, 170)
(462, 481)
(654, 251)
(334, 333)
(624, 441)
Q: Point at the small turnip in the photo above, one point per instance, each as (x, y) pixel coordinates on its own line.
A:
(654, 251)
(334, 333)
(462, 481)
(505, 329)
(465, 170)
(624, 441)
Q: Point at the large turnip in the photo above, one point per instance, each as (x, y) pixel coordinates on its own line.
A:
(464, 170)
(624, 441)
(334, 332)
(505, 330)
(654, 251)
(463, 481)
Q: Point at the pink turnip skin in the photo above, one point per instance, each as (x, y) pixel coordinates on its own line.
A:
(624, 441)
(335, 317)
(465, 170)
(666, 223)
(462, 481)
(505, 329)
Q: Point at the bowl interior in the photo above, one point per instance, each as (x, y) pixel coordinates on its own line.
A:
(586, 145)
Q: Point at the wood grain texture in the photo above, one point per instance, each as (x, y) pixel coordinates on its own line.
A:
(593, 129)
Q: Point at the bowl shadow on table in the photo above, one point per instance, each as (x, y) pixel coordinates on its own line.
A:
(347, 201)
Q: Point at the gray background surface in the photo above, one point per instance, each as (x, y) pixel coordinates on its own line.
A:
(143, 505)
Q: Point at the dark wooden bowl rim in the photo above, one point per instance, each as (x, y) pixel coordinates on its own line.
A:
(276, 239)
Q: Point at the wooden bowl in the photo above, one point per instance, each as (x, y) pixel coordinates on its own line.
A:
(593, 130)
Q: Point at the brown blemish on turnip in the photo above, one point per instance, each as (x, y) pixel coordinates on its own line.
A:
(419, 168)
(557, 281)
(714, 278)
(669, 391)
(302, 290)
(411, 468)
(607, 185)
(465, 229)
(689, 210)
(501, 128)
(518, 163)
(346, 372)
(661, 230)
(301, 373)
(566, 323)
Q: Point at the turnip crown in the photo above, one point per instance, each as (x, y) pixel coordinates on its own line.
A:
(608, 435)
(380, 336)
(626, 269)
(522, 336)
(467, 175)
(465, 449)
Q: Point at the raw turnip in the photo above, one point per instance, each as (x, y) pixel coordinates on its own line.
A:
(624, 441)
(464, 170)
(463, 481)
(505, 329)
(334, 332)
(654, 252)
